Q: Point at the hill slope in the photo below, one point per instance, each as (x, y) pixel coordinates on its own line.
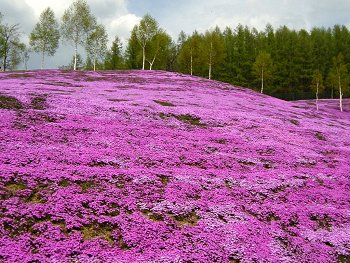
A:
(138, 166)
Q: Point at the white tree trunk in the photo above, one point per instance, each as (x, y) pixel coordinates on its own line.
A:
(210, 71)
(340, 94)
(143, 57)
(191, 62)
(94, 64)
(317, 95)
(152, 62)
(4, 64)
(42, 59)
(210, 58)
(262, 80)
(341, 101)
(75, 56)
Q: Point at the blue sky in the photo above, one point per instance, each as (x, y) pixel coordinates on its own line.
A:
(119, 16)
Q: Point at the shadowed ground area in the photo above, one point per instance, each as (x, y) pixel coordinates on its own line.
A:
(150, 166)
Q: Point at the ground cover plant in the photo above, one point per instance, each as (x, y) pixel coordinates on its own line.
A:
(136, 166)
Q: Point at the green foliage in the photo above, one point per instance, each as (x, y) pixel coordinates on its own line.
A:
(114, 57)
(317, 84)
(78, 63)
(96, 44)
(77, 23)
(133, 52)
(158, 50)
(45, 36)
(262, 68)
(189, 53)
(338, 77)
(212, 48)
(10, 45)
(144, 32)
(338, 74)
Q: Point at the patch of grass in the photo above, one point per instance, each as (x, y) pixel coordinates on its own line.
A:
(86, 185)
(185, 118)
(295, 122)
(268, 164)
(10, 103)
(245, 162)
(103, 164)
(121, 243)
(59, 83)
(266, 152)
(38, 103)
(152, 216)
(64, 183)
(164, 178)
(323, 222)
(35, 198)
(164, 103)
(95, 230)
(163, 115)
(20, 75)
(17, 226)
(234, 260)
(320, 136)
(62, 224)
(19, 125)
(189, 219)
(114, 212)
(221, 141)
(117, 100)
(211, 150)
(343, 259)
(42, 117)
(200, 164)
(272, 217)
(222, 218)
(279, 189)
(15, 186)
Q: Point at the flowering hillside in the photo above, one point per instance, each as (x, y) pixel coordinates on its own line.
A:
(151, 166)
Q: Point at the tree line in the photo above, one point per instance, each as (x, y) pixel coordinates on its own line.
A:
(283, 62)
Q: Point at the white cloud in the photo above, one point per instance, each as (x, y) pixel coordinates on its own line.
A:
(57, 6)
(122, 26)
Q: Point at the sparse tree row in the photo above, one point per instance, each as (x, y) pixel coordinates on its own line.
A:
(282, 62)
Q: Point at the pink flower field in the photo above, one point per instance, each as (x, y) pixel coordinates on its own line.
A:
(150, 166)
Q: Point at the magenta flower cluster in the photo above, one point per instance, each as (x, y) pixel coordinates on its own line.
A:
(149, 166)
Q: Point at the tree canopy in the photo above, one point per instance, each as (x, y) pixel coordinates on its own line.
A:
(77, 22)
(45, 36)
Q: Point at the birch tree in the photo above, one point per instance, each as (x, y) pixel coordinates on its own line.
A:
(317, 85)
(213, 49)
(145, 31)
(262, 68)
(45, 36)
(160, 44)
(338, 77)
(188, 57)
(9, 41)
(77, 23)
(96, 44)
